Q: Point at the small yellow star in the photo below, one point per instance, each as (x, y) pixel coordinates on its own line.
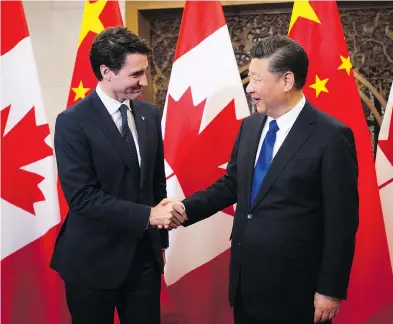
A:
(302, 9)
(319, 85)
(345, 64)
(91, 18)
(80, 92)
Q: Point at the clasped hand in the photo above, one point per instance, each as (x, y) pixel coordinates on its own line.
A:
(168, 214)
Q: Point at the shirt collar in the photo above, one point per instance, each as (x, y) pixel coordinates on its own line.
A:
(112, 105)
(287, 120)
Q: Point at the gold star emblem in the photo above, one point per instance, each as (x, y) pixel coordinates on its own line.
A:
(345, 64)
(91, 18)
(80, 92)
(319, 85)
(305, 10)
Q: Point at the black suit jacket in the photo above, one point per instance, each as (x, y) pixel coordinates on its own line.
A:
(298, 236)
(108, 211)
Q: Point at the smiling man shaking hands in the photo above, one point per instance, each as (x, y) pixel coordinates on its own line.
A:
(110, 159)
(293, 174)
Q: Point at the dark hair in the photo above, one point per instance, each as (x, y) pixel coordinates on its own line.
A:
(111, 46)
(285, 55)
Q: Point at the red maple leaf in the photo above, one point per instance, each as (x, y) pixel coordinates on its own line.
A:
(195, 158)
(21, 146)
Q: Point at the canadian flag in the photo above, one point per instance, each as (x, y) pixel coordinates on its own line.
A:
(29, 202)
(202, 115)
(384, 168)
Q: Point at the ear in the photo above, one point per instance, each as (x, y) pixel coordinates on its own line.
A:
(105, 72)
(289, 81)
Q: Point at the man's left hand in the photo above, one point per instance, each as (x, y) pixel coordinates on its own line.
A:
(325, 308)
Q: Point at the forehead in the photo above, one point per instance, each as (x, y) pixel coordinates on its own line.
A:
(134, 62)
(258, 65)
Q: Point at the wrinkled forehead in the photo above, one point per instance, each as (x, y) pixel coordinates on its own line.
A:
(258, 66)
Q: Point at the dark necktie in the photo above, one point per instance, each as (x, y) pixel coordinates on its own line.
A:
(264, 159)
(127, 135)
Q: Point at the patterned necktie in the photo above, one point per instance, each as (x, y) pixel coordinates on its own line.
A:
(264, 159)
(127, 135)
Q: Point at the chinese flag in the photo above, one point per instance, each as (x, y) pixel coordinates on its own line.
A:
(331, 87)
(201, 119)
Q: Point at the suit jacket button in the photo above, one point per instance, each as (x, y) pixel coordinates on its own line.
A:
(249, 216)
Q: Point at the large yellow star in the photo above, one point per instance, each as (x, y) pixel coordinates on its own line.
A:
(319, 85)
(345, 64)
(91, 18)
(302, 9)
(80, 92)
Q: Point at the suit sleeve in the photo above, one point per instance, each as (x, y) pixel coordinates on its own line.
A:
(340, 209)
(80, 184)
(218, 196)
(160, 180)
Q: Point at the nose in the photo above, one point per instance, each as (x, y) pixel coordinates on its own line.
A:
(143, 80)
(249, 88)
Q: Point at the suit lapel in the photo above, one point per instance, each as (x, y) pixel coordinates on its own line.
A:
(141, 123)
(252, 141)
(104, 121)
(300, 132)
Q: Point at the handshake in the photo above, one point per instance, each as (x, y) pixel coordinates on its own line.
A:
(168, 214)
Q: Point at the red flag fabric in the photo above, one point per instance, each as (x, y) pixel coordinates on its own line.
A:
(331, 87)
(29, 203)
(201, 119)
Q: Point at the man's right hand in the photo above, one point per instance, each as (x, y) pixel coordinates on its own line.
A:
(165, 216)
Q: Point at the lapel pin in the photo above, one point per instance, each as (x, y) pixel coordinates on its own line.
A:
(143, 117)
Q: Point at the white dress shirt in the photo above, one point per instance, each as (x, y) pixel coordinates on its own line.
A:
(113, 106)
(285, 123)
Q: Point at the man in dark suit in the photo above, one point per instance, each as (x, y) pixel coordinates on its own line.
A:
(110, 161)
(293, 174)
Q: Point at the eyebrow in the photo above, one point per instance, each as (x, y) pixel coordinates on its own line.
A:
(138, 72)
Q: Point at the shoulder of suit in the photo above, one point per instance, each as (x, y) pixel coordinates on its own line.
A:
(253, 117)
(78, 109)
(327, 121)
(147, 107)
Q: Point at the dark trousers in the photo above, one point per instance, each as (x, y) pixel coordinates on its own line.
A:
(137, 300)
(242, 317)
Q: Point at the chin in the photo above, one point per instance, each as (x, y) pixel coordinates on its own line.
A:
(133, 96)
(261, 108)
